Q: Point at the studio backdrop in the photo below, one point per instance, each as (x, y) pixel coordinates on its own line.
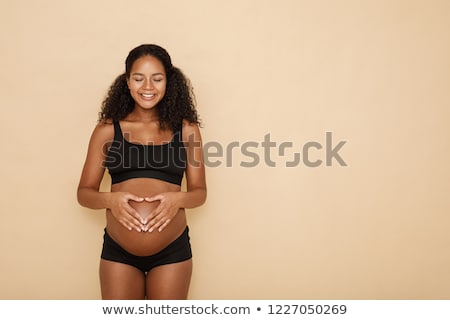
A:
(326, 140)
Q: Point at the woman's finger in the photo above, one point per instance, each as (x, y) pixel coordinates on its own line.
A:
(133, 213)
(157, 197)
(164, 225)
(133, 218)
(156, 222)
(133, 197)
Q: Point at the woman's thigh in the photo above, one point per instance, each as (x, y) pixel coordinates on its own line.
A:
(169, 281)
(120, 281)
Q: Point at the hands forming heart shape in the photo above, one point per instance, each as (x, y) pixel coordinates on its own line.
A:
(161, 216)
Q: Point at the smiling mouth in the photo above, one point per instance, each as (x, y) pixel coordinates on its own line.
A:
(147, 95)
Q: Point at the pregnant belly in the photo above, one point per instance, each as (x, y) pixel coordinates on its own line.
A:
(145, 243)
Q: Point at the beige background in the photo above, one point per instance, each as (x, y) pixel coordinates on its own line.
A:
(375, 73)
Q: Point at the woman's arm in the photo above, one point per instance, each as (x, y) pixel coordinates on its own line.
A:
(195, 169)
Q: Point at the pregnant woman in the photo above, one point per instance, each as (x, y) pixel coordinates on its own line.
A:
(148, 138)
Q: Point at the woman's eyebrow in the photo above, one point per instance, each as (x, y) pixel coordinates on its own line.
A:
(143, 75)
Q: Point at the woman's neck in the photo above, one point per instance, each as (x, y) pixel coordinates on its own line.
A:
(143, 115)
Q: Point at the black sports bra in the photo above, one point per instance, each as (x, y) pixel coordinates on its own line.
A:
(126, 160)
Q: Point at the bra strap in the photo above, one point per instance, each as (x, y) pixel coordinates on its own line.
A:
(180, 138)
(118, 135)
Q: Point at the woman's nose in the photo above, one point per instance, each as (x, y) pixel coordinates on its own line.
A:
(148, 84)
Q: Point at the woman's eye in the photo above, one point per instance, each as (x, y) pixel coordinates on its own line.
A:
(158, 80)
(138, 80)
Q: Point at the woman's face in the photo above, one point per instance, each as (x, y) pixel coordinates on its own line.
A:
(147, 82)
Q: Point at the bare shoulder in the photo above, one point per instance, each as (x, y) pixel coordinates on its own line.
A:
(103, 132)
(190, 130)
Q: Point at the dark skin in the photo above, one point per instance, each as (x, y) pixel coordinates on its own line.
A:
(144, 215)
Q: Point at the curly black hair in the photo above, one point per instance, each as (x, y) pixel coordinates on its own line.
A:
(177, 104)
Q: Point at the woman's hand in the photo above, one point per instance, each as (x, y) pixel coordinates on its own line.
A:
(124, 213)
(164, 213)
